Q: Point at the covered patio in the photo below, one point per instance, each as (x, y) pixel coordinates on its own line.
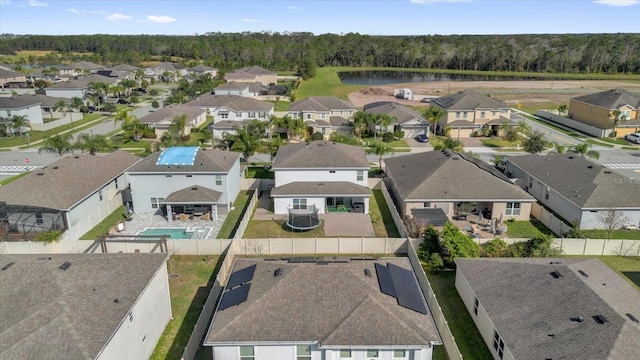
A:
(192, 203)
(25, 223)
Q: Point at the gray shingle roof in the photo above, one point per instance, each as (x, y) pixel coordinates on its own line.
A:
(65, 182)
(230, 124)
(320, 154)
(321, 103)
(325, 188)
(338, 121)
(202, 68)
(169, 112)
(402, 113)
(207, 161)
(193, 194)
(168, 66)
(233, 85)
(256, 70)
(585, 183)
(468, 100)
(125, 67)
(83, 82)
(611, 99)
(18, 102)
(83, 65)
(44, 100)
(232, 102)
(526, 304)
(334, 304)
(446, 175)
(49, 313)
(4, 74)
(463, 124)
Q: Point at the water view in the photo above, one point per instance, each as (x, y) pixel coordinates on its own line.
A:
(377, 77)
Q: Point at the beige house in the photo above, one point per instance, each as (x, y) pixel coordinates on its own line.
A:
(324, 114)
(405, 119)
(9, 79)
(161, 119)
(597, 110)
(469, 111)
(80, 68)
(253, 74)
(200, 70)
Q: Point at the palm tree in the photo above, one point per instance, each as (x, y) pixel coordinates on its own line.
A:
(380, 148)
(583, 150)
(360, 121)
(130, 122)
(558, 148)
(244, 140)
(59, 144)
(76, 103)
(19, 122)
(178, 125)
(373, 121)
(562, 109)
(92, 144)
(385, 121)
(614, 118)
(448, 143)
(433, 114)
(523, 127)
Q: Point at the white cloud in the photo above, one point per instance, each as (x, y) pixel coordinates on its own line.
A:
(251, 20)
(75, 11)
(439, 1)
(160, 19)
(36, 3)
(118, 17)
(617, 2)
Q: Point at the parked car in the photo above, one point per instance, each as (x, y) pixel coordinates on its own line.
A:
(124, 102)
(423, 138)
(141, 90)
(425, 100)
(634, 138)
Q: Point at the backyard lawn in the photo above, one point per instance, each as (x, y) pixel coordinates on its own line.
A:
(616, 234)
(260, 229)
(103, 226)
(228, 229)
(383, 224)
(527, 229)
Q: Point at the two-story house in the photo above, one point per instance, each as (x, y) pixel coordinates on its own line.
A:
(78, 87)
(28, 106)
(598, 109)
(253, 74)
(166, 71)
(80, 68)
(12, 79)
(323, 114)
(200, 70)
(244, 89)
(326, 175)
(161, 120)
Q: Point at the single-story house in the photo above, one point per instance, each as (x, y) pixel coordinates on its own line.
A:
(322, 174)
(12, 79)
(78, 87)
(160, 120)
(125, 68)
(23, 106)
(252, 74)
(546, 308)
(224, 127)
(80, 68)
(578, 190)
(290, 309)
(598, 109)
(240, 89)
(186, 180)
(457, 184)
(200, 70)
(233, 107)
(83, 306)
(407, 120)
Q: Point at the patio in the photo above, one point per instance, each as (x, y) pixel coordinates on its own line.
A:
(479, 227)
(141, 222)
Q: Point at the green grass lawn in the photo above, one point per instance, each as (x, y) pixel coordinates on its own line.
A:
(527, 229)
(627, 266)
(599, 143)
(632, 148)
(230, 224)
(381, 219)
(189, 287)
(617, 141)
(495, 142)
(326, 83)
(260, 172)
(280, 105)
(260, 229)
(13, 178)
(39, 135)
(460, 322)
(103, 227)
(616, 234)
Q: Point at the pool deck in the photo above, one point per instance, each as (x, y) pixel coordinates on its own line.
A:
(141, 222)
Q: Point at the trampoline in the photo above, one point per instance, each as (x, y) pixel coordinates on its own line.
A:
(303, 219)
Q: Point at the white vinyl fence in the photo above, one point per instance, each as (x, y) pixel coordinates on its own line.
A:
(585, 128)
(549, 220)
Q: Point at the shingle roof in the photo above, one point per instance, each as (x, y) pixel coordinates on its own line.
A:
(325, 188)
(125, 67)
(256, 70)
(168, 66)
(400, 112)
(202, 68)
(83, 82)
(232, 85)
(9, 74)
(333, 304)
(232, 102)
(446, 175)
(611, 99)
(339, 121)
(321, 103)
(64, 183)
(83, 65)
(49, 313)
(320, 154)
(230, 124)
(468, 100)
(44, 100)
(583, 182)
(18, 102)
(193, 194)
(169, 112)
(527, 304)
(206, 161)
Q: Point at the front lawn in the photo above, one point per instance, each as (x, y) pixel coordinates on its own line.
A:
(280, 105)
(527, 229)
(381, 219)
(39, 135)
(103, 227)
(259, 172)
(617, 141)
(599, 143)
(230, 225)
(495, 142)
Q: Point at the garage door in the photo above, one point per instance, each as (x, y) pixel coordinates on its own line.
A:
(411, 132)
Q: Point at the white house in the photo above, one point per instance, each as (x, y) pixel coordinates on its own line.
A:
(83, 306)
(78, 88)
(80, 68)
(240, 89)
(328, 175)
(577, 189)
(233, 107)
(546, 308)
(186, 180)
(22, 106)
(200, 70)
(288, 309)
(166, 71)
(161, 119)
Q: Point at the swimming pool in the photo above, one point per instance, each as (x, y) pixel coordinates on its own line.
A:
(178, 233)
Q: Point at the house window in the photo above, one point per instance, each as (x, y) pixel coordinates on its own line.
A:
(332, 171)
(299, 204)
(513, 209)
(399, 354)
(464, 114)
(252, 115)
(100, 194)
(426, 204)
(189, 175)
(323, 131)
(224, 114)
(475, 306)
(498, 344)
(546, 193)
(130, 317)
(323, 115)
(345, 354)
(308, 116)
(625, 115)
(168, 175)
(247, 353)
(295, 115)
(155, 202)
(303, 352)
(360, 175)
(457, 114)
(218, 179)
(591, 108)
(116, 182)
(340, 112)
(481, 114)
(372, 354)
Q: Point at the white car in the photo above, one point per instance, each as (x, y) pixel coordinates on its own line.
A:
(634, 138)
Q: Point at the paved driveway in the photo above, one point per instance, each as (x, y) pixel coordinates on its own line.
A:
(347, 224)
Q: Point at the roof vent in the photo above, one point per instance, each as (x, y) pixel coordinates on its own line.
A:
(577, 319)
(278, 272)
(600, 319)
(194, 188)
(116, 300)
(8, 265)
(555, 274)
(44, 258)
(590, 167)
(76, 157)
(65, 265)
(630, 316)
(551, 335)
(555, 262)
(367, 272)
(40, 173)
(583, 273)
(55, 167)
(455, 158)
(570, 157)
(607, 171)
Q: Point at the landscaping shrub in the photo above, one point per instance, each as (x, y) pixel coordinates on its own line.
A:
(153, 92)
(388, 137)
(317, 136)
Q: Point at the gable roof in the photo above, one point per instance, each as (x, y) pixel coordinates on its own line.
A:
(168, 66)
(468, 100)
(321, 103)
(333, 304)
(446, 175)
(231, 102)
(169, 112)
(401, 113)
(202, 68)
(125, 67)
(64, 183)
(83, 65)
(320, 154)
(18, 102)
(83, 82)
(255, 70)
(583, 182)
(206, 161)
(5, 74)
(611, 99)
(50, 313)
(193, 194)
(527, 304)
(44, 100)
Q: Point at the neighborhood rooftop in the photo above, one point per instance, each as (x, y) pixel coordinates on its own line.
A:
(401, 113)
(468, 100)
(611, 99)
(321, 103)
(166, 114)
(206, 160)
(320, 154)
(231, 102)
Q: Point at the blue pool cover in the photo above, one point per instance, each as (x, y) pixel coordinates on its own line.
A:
(178, 155)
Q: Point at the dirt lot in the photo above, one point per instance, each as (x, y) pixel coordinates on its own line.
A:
(527, 93)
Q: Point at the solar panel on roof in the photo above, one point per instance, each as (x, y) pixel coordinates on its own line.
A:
(384, 280)
(241, 276)
(234, 297)
(407, 289)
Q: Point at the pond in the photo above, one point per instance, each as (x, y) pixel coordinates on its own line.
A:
(378, 77)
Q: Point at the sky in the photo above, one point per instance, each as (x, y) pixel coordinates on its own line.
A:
(374, 17)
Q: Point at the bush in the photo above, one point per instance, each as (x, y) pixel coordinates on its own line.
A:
(153, 92)
(399, 134)
(494, 248)
(434, 263)
(49, 236)
(317, 136)
(388, 137)
(135, 99)
(155, 104)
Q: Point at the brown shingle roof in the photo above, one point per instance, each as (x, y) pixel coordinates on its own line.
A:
(169, 112)
(232, 102)
(320, 154)
(325, 188)
(401, 113)
(320, 103)
(193, 194)
(611, 99)
(83, 65)
(66, 182)
(206, 161)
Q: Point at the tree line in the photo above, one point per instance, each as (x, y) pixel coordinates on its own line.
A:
(563, 53)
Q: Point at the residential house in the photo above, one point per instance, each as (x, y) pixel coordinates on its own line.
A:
(240, 89)
(26, 105)
(350, 309)
(12, 79)
(326, 175)
(161, 119)
(323, 114)
(252, 74)
(83, 306)
(186, 180)
(233, 107)
(578, 190)
(166, 71)
(80, 68)
(469, 111)
(200, 70)
(546, 308)
(117, 74)
(4, 66)
(62, 196)
(47, 103)
(224, 127)
(456, 184)
(125, 68)
(598, 109)
(405, 119)
(78, 87)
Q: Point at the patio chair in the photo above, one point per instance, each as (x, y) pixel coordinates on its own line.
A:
(183, 217)
(206, 216)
